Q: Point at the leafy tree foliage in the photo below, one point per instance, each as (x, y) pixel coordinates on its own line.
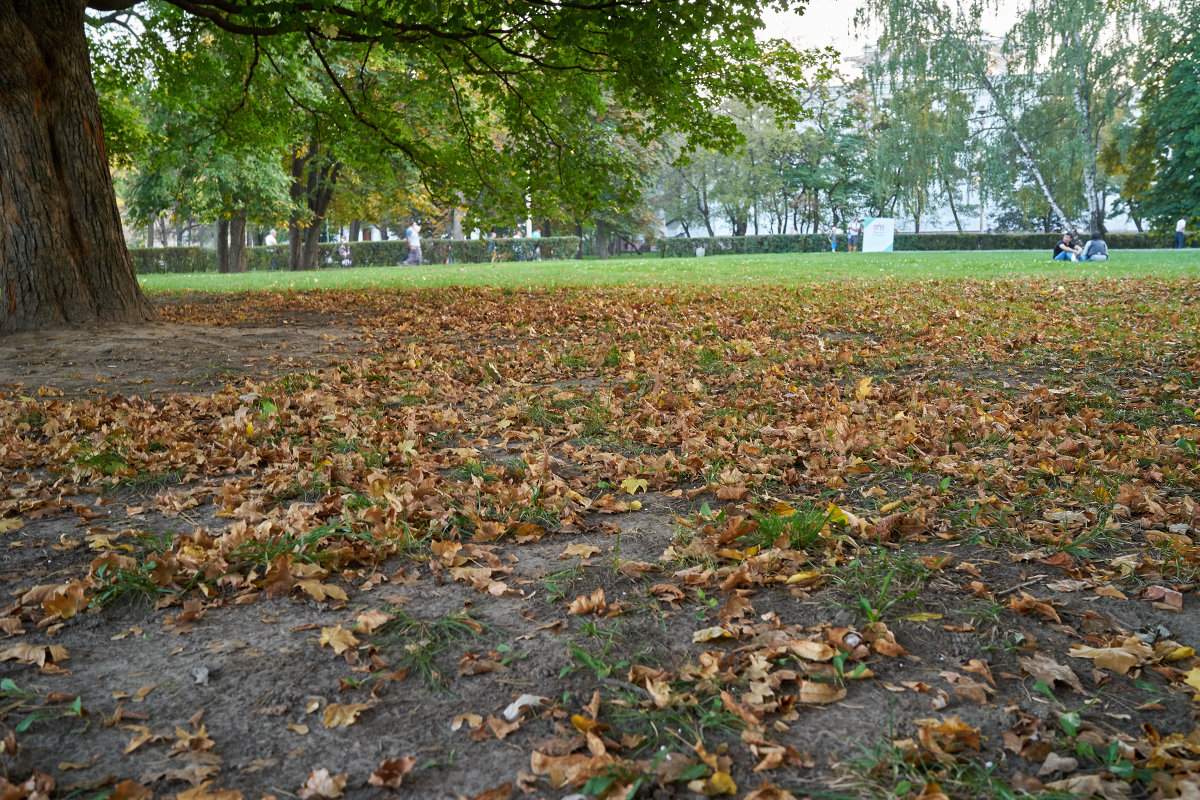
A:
(1163, 175)
(467, 95)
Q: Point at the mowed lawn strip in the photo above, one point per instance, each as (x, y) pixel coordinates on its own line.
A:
(775, 268)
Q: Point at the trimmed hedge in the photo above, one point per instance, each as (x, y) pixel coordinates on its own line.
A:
(158, 260)
(744, 245)
(809, 242)
(152, 260)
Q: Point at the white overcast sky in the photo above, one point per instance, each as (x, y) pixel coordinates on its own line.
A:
(830, 23)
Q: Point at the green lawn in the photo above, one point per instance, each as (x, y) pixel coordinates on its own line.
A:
(773, 268)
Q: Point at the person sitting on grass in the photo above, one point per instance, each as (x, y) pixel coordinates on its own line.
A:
(1066, 249)
(1095, 249)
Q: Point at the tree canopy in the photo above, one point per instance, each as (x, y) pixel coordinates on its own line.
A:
(470, 96)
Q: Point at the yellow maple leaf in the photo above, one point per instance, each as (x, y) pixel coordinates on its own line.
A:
(710, 634)
(1192, 678)
(631, 485)
(338, 638)
(342, 714)
(581, 550)
(370, 621)
(836, 515)
(863, 389)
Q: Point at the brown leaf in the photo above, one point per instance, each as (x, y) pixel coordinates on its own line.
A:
(1048, 671)
(202, 792)
(500, 728)
(391, 772)
(320, 785)
(1164, 596)
(1119, 659)
(592, 604)
(814, 692)
(945, 737)
(1027, 604)
(370, 621)
(768, 791)
(1056, 763)
(130, 790)
(501, 792)
(472, 664)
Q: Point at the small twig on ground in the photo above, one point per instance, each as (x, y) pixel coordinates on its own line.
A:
(1012, 589)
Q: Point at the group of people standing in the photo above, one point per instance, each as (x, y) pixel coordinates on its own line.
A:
(853, 234)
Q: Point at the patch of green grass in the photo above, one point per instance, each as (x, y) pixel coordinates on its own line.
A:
(886, 771)
(712, 362)
(778, 268)
(144, 481)
(125, 586)
(155, 542)
(559, 585)
(316, 546)
(677, 726)
(879, 581)
(423, 646)
(802, 529)
(298, 382)
(105, 459)
(34, 418)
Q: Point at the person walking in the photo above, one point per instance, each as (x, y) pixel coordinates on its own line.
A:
(270, 241)
(413, 236)
(1180, 230)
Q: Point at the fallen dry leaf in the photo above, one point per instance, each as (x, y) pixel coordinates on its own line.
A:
(391, 772)
(320, 785)
(339, 639)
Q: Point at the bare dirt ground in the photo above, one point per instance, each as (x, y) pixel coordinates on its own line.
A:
(488, 545)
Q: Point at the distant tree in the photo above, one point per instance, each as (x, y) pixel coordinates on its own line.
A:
(1074, 53)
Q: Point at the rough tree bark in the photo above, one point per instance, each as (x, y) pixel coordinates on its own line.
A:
(63, 258)
(316, 190)
(601, 239)
(223, 245)
(237, 242)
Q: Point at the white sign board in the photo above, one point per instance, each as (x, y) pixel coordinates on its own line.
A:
(879, 235)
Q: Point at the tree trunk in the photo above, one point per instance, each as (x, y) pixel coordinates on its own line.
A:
(237, 242)
(63, 258)
(315, 190)
(601, 239)
(953, 209)
(222, 245)
(355, 230)
(579, 236)
(1092, 190)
